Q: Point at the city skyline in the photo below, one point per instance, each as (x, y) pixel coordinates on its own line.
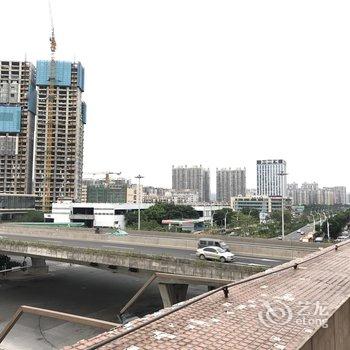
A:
(213, 183)
(246, 90)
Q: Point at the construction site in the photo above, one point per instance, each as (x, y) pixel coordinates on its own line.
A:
(42, 118)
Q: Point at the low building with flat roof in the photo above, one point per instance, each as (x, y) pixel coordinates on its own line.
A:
(92, 214)
(261, 203)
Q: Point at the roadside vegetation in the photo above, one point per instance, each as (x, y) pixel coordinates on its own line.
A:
(247, 223)
(151, 218)
(337, 224)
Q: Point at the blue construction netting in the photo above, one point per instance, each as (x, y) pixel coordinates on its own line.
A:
(10, 119)
(81, 76)
(62, 77)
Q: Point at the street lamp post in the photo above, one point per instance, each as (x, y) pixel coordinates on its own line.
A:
(328, 236)
(225, 220)
(139, 177)
(327, 223)
(313, 218)
(319, 213)
(283, 174)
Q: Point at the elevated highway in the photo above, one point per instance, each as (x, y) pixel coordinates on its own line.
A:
(247, 250)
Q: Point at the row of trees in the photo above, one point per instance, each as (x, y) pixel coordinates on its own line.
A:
(336, 223)
(152, 217)
(245, 222)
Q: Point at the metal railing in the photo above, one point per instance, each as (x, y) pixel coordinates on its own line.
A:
(169, 276)
(54, 314)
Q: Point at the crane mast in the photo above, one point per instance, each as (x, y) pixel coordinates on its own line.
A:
(49, 181)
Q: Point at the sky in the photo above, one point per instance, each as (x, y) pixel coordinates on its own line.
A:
(218, 83)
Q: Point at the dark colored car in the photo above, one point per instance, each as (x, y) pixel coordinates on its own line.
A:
(210, 242)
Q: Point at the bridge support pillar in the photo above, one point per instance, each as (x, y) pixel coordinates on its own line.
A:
(172, 293)
(38, 266)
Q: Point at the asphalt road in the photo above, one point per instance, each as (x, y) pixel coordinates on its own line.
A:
(295, 236)
(155, 250)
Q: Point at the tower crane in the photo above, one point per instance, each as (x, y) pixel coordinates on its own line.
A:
(107, 175)
(49, 181)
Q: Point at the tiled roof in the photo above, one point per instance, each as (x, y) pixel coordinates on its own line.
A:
(281, 309)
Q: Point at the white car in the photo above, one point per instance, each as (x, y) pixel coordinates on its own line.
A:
(214, 253)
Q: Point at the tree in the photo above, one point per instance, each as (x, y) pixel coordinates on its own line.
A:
(219, 216)
(152, 217)
(254, 213)
(276, 216)
(336, 224)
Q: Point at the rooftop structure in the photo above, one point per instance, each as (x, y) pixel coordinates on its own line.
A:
(303, 304)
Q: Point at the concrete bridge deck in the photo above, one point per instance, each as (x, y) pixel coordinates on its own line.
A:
(257, 249)
(303, 304)
(124, 261)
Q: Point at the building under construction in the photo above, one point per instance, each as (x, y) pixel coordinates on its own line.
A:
(17, 121)
(61, 116)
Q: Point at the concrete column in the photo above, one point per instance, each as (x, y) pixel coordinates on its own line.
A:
(38, 266)
(172, 293)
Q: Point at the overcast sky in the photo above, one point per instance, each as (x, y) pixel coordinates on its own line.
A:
(217, 83)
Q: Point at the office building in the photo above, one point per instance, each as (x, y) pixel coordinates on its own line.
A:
(17, 122)
(269, 182)
(264, 204)
(230, 183)
(61, 117)
(192, 178)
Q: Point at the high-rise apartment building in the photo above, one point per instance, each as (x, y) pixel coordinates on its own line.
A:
(339, 195)
(61, 116)
(269, 182)
(230, 183)
(192, 178)
(311, 194)
(17, 121)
